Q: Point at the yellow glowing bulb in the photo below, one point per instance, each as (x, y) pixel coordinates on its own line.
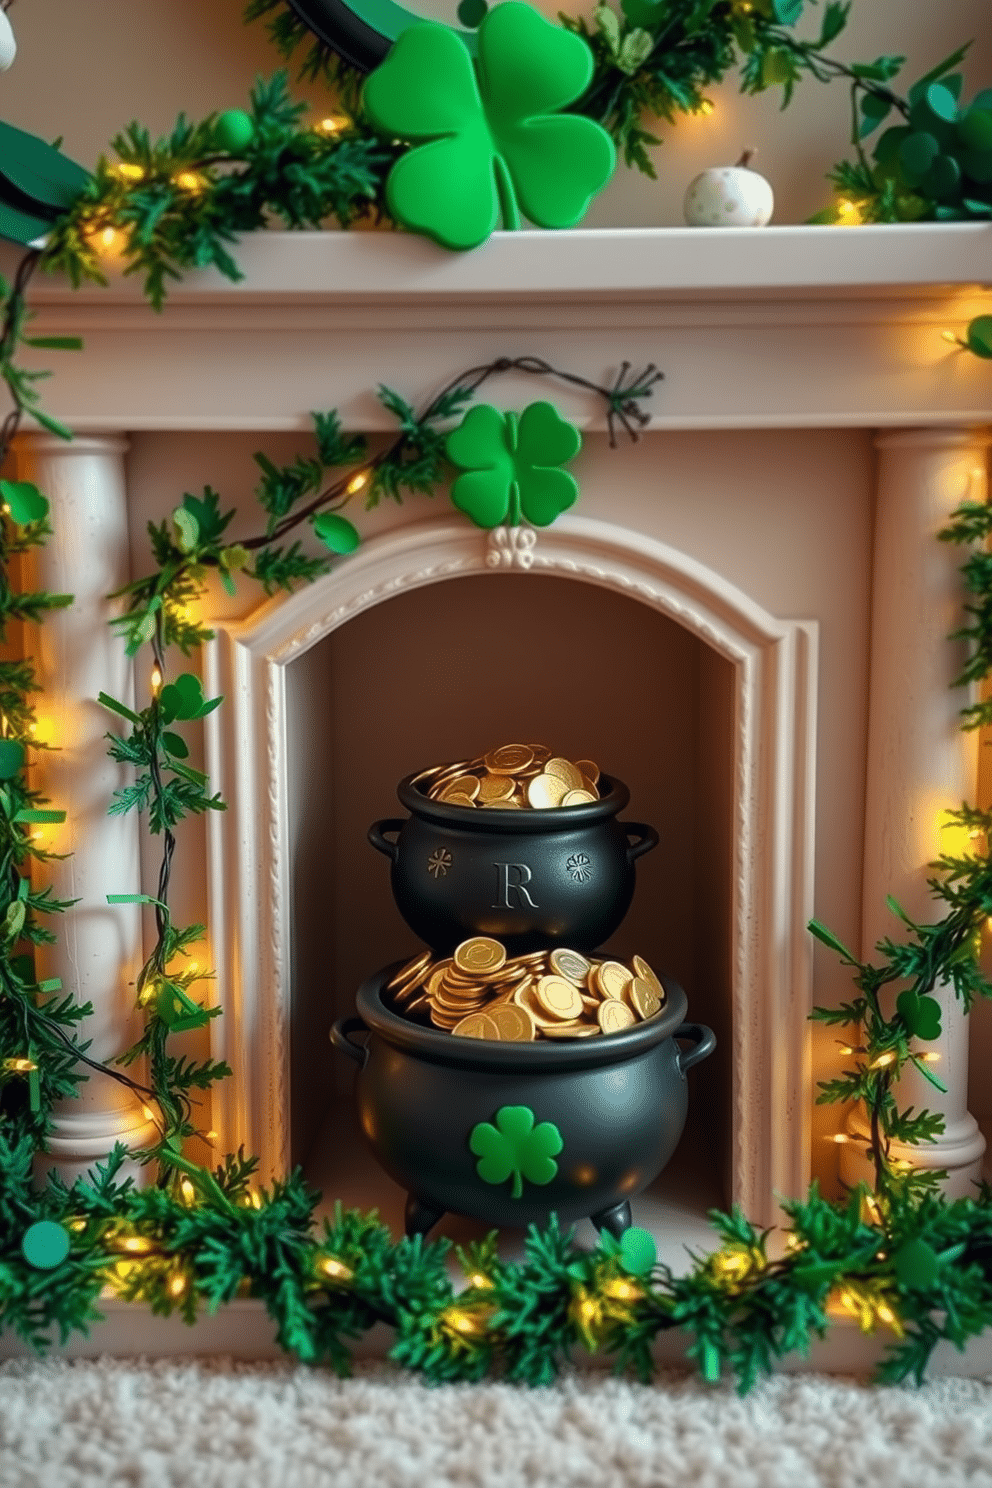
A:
(883, 1060)
(189, 181)
(951, 337)
(127, 171)
(479, 1280)
(210, 1136)
(705, 108)
(335, 1269)
(177, 1286)
(32, 728)
(846, 1049)
(357, 482)
(187, 1190)
(839, 1137)
(588, 1310)
(931, 1057)
(256, 1200)
(622, 1290)
(135, 1245)
(20, 1066)
(148, 1113)
(885, 1313)
(332, 125)
(108, 237)
(156, 680)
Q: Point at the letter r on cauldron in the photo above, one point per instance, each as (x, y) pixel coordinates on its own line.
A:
(510, 879)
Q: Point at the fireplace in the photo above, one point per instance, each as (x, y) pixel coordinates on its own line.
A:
(733, 609)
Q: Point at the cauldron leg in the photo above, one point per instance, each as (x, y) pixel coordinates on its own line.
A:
(616, 1219)
(421, 1217)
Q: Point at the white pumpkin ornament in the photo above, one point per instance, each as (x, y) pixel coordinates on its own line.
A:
(729, 196)
(8, 46)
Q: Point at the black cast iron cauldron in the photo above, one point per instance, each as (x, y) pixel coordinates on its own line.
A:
(529, 878)
(591, 1121)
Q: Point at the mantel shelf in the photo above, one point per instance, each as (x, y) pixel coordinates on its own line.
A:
(753, 327)
(338, 267)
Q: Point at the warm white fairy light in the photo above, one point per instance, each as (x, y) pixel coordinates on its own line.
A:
(357, 482)
(156, 680)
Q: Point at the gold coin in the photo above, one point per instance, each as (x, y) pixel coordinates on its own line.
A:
(495, 787)
(507, 805)
(571, 1030)
(643, 970)
(468, 785)
(477, 1026)
(610, 978)
(509, 759)
(564, 770)
(589, 769)
(578, 798)
(480, 954)
(642, 999)
(456, 798)
(570, 965)
(409, 977)
(526, 997)
(559, 997)
(546, 791)
(614, 1016)
(513, 1023)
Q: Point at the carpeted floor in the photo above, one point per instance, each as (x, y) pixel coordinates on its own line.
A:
(213, 1424)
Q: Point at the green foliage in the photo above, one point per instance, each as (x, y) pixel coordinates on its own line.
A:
(179, 202)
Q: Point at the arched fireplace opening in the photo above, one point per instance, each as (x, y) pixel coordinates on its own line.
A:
(447, 671)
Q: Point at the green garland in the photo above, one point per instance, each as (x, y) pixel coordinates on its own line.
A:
(902, 1258)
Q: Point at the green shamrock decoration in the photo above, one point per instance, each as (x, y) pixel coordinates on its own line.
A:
(516, 1147)
(513, 460)
(921, 1015)
(496, 142)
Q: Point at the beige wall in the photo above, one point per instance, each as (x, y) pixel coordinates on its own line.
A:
(86, 68)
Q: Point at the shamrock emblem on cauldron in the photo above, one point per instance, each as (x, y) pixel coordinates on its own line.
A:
(512, 463)
(496, 141)
(579, 866)
(516, 1148)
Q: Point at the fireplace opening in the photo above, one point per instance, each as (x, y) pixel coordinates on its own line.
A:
(446, 671)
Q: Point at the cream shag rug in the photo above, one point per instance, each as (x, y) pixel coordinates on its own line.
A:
(214, 1424)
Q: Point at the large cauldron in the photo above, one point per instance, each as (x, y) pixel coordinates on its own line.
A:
(616, 1104)
(529, 878)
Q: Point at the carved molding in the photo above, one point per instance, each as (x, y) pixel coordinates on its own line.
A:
(774, 670)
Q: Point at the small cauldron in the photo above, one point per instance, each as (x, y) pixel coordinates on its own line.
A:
(507, 1132)
(529, 878)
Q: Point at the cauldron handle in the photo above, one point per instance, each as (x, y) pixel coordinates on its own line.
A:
(646, 838)
(381, 842)
(339, 1038)
(704, 1040)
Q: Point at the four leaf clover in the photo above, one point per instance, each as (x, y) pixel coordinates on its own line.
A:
(512, 462)
(516, 1148)
(496, 141)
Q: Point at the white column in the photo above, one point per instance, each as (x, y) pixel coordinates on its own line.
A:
(98, 948)
(919, 762)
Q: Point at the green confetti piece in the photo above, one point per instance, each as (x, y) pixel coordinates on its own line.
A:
(45, 1245)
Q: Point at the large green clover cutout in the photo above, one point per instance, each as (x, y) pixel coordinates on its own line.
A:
(513, 461)
(496, 142)
(516, 1147)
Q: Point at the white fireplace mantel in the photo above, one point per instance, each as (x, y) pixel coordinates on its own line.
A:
(754, 328)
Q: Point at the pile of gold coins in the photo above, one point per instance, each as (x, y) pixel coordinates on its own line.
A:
(480, 992)
(512, 778)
